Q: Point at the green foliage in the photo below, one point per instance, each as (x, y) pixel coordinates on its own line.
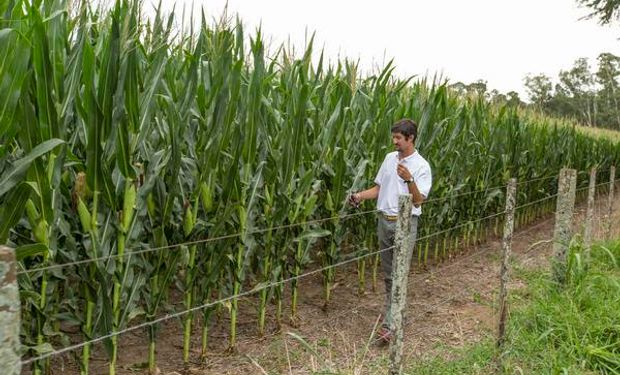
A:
(474, 360)
(539, 89)
(118, 135)
(575, 330)
(605, 10)
(590, 97)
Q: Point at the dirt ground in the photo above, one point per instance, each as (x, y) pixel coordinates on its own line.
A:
(449, 305)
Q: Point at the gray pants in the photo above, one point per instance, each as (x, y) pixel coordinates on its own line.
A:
(386, 231)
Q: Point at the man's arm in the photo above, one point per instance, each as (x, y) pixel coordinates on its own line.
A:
(371, 193)
(416, 197)
(356, 198)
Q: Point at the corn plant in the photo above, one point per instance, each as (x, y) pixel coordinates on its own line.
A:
(120, 133)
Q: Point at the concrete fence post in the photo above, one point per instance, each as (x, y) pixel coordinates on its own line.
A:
(511, 191)
(563, 233)
(10, 362)
(610, 201)
(587, 230)
(403, 243)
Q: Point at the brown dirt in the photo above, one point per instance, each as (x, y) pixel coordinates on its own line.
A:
(451, 304)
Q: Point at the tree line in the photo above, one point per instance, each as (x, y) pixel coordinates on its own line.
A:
(591, 96)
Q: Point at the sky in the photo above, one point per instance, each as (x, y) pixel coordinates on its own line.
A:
(499, 41)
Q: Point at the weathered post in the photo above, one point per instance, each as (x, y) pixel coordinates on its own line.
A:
(511, 190)
(9, 313)
(587, 230)
(563, 222)
(610, 201)
(403, 242)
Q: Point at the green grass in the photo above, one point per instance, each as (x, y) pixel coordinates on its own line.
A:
(475, 359)
(553, 330)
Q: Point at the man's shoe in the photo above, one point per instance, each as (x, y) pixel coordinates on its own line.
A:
(384, 335)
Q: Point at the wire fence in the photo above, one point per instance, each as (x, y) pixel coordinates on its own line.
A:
(520, 258)
(134, 251)
(234, 297)
(536, 202)
(261, 287)
(524, 256)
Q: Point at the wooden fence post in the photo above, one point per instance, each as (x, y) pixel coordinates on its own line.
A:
(610, 201)
(10, 361)
(562, 233)
(511, 190)
(403, 243)
(587, 230)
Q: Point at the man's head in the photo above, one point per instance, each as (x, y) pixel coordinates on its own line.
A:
(404, 135)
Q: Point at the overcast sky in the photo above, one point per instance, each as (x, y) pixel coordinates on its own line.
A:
(499, 41)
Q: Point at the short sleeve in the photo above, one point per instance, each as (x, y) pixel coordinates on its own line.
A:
(424, 180)
(381, 172)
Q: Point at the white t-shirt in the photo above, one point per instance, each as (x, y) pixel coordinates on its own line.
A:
(391, 185)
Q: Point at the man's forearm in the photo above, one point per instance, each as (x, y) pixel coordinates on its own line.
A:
(416, 197)
(371, 193)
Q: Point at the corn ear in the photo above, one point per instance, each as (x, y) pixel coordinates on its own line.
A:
(206, 195)
(188, 221)
(128, 204)
(329, 202)
(242, 217)
(32, 213)
(40, 232)
(150, 205)
(50, 166)
(84, 214)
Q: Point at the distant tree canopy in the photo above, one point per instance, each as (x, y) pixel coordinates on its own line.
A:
(592, 97)
(479, 88)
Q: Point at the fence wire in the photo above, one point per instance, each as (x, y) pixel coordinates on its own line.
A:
(287, 280)
(230, 298)
(131, 251)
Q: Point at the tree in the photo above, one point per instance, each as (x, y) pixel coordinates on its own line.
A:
(605, 10)
(479, 87)
(578, 84)
(513, 99)
(459, 87)
(497, 97)
(607, 77)
(539, 89)
(562, 104)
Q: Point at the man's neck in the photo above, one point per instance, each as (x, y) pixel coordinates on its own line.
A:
(407, 153)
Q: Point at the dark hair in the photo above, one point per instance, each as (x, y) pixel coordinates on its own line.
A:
(406, 127)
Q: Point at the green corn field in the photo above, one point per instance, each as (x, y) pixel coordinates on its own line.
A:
(122, 135)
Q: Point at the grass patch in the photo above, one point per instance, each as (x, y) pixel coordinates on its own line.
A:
(476, 359)
(572, 329)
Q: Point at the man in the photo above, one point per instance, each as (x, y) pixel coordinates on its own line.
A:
(403, 171)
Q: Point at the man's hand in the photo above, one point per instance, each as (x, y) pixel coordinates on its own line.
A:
(355, 200)
(403, 172)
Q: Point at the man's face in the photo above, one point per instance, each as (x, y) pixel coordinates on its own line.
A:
(401, 143)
